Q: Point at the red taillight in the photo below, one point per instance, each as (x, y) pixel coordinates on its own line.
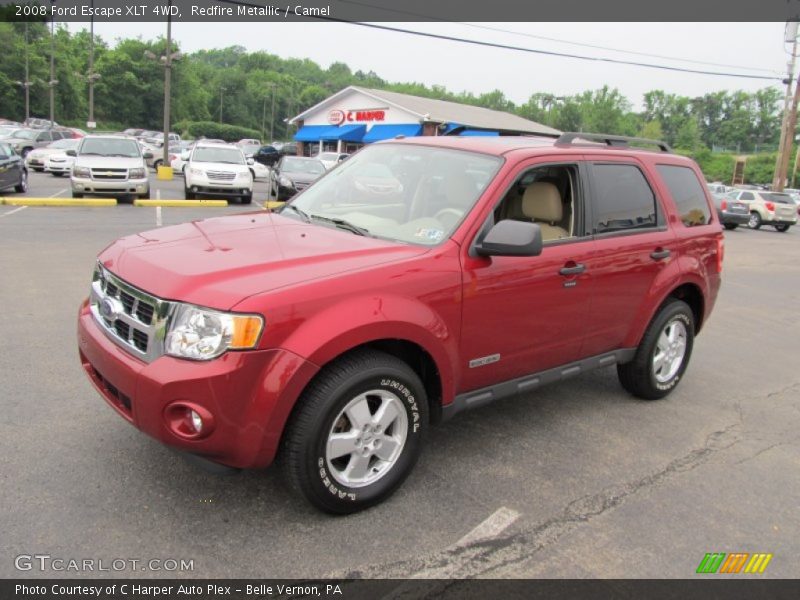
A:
(724, 205)
(770, 206)
(720, 254)
(172, 157)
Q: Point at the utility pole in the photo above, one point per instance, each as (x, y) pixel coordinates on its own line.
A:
(221, 89)
(92, 76)
(53, 81)
(27, 83)
(272, 120)
(785, 145)
(167, 84)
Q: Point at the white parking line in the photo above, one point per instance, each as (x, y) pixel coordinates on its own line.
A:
(158, 209)
(11, 212)
(58, 193)
(491, 527)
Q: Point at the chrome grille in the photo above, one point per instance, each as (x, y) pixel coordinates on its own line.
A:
(220, 175)
(110, 174)
(130, 317)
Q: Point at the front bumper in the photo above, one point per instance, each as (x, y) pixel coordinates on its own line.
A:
(92, 186)
(249, 394)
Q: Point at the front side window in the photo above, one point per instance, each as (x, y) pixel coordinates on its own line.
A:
(623, 200)
(687, 193)
(404, 192)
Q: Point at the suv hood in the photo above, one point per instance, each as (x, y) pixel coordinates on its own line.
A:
(219, 262)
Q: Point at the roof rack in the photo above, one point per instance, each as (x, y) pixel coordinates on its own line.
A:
(611, 140)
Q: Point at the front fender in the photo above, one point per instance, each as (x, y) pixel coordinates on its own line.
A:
(363, 319)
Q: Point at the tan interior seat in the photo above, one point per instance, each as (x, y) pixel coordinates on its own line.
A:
(541, 203)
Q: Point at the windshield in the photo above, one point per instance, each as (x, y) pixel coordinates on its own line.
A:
(24, 134)
(302, 165)
(403, 192)
(65, 144)
(110, 147)
(232, 156)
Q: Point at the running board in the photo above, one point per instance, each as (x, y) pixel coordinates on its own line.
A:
(487, 395)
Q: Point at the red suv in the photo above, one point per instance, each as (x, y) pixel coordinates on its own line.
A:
(334, 332)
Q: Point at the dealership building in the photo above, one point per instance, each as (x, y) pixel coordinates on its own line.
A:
(356, 116)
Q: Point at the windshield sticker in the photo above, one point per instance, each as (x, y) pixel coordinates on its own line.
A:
(433, 235)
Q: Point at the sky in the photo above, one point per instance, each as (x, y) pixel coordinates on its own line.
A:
(748, 48)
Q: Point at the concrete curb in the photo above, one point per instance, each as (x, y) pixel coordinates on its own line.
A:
(181, 203)
(58, 201)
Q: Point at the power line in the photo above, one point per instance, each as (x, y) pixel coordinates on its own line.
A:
(557, 40)
(527, 50)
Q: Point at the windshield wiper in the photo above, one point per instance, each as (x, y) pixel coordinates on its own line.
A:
(342, 224)
(303, 215)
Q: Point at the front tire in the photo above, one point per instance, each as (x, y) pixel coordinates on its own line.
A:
(755, 220)
(356, 432)
(782, 227)
(662, 355)
(188, 195)
(731, 226)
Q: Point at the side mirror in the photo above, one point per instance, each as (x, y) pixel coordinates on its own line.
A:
(185, 155)
(511, 238)
(71, 153)
(147, 154)
(250, 161)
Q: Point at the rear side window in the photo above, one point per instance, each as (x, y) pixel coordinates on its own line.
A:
(623, 199)
(688, 194)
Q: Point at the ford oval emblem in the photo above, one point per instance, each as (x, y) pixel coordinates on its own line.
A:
(109, 309)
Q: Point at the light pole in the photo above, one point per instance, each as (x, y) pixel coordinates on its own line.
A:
(27, 83)
(92, 76)
(264, 112)
(221, 89)
(53, 81)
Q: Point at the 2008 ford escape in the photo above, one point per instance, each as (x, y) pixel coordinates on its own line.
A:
(418, 279)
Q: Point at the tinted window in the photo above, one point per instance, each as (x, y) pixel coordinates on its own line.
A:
(747, 196)
(777, 197)
(687, 192)
(622, 200)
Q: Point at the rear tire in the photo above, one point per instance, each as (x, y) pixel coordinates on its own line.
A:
(356, 432)
(662, 355)
(246, 199)
(782, 227)
(755, 220)
(731, 226)
(22, 186)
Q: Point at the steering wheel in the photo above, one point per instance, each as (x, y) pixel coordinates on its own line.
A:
(449, 217)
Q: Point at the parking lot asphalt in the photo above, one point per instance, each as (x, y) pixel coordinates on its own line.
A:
(578, 479)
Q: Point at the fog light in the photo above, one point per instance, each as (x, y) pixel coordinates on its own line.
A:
(189, 420)
(197, 421)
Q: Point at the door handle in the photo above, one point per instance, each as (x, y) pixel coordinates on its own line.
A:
(574, 270)
(660, 254)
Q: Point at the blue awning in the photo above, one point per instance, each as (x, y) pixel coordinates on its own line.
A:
(478, 133)
(329, 133)
(450, 126)
(387, 132)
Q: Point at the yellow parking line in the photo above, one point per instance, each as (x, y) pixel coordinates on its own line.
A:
(180, 203)
(272, 204)
(58, 201)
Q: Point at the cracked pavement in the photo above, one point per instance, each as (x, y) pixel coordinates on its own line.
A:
(605, 485)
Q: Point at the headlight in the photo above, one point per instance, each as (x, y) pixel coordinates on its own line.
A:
(286, 182)
(136, 174)
(81, 172)
(203, 334)
(195, 171)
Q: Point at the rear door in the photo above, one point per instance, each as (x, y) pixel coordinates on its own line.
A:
(6, 167)
(632, 243)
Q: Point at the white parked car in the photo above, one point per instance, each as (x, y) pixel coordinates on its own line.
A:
(35, 159)
(331, 159)
(59, 164)
(217, 170)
